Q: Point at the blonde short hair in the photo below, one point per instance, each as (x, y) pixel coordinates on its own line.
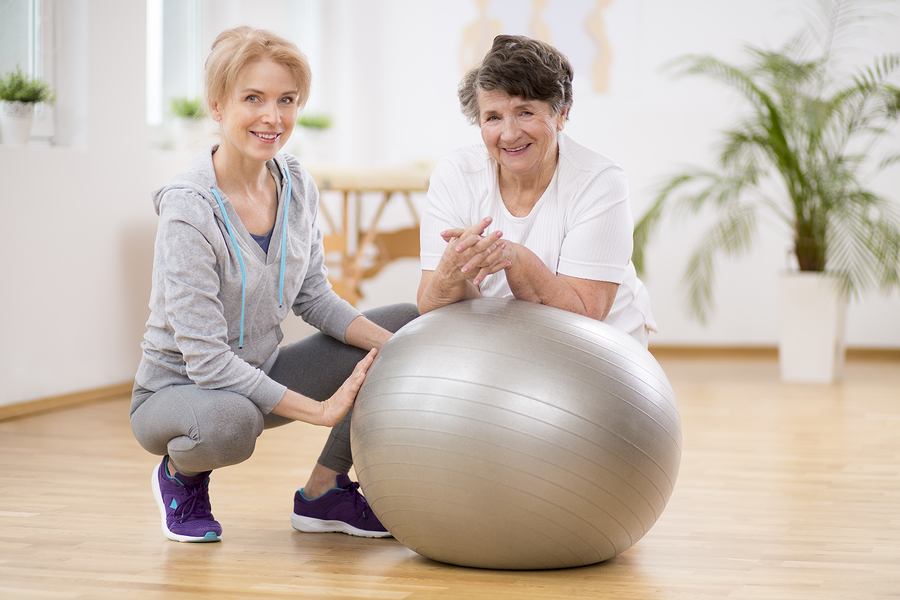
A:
(235, 48)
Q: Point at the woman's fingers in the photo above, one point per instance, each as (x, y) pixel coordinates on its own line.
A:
(358, 376)
(476, 229)
(451, 234)
(494, 262)
(337, 407)
(488, 251)
(479, 250)
(471, 253)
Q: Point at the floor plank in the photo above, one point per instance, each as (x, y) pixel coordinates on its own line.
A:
(786, 491)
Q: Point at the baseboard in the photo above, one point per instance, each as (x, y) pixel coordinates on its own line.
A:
(874, 354)
(26, 409)
(765, 352)
(707, 352)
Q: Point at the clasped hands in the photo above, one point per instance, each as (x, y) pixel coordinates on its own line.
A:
(471, 255)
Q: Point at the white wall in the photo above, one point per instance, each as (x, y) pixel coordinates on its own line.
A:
(402, 60)
(78, 225)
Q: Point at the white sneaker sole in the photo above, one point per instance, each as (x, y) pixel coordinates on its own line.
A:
(310, 525)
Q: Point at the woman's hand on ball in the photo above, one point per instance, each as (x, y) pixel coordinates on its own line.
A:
(336, 408)
(330, 412)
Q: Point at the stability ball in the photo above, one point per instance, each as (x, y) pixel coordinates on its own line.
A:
(502, 434)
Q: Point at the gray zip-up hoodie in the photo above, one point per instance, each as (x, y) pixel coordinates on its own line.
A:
(218, 301)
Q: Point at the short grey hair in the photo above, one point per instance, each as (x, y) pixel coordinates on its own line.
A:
(522, 67)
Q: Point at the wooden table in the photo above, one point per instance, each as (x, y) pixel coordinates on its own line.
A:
(358, 241)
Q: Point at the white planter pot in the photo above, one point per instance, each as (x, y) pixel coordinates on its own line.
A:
(15, 123)
(812, 316)
(190, 134)
(312, 145)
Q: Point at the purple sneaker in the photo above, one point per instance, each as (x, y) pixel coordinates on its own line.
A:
(184, 505)
(341, 509)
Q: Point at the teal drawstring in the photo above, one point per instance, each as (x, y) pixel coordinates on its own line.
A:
(240, 261)
(284, 228)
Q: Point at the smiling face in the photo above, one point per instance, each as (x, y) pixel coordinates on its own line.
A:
(519, 134)
(259, 114)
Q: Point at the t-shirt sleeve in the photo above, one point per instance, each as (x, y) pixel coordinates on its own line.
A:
(440, 213)
(598, 241)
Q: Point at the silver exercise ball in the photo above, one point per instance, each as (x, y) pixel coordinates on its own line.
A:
(504, 434)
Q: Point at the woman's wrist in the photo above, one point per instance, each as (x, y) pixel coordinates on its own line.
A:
(300, 408)
(363, 333)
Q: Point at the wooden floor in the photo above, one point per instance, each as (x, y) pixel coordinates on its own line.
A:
(785, 492)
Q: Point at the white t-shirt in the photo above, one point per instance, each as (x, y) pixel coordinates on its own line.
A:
(581, 227)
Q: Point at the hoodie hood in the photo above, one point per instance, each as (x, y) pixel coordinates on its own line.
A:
(199, 176)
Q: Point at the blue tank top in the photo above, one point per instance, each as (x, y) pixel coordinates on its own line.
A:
(263, 240)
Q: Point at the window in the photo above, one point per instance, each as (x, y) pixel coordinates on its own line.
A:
(18, 33)
(26, 34)
(174, 64)
(181, 32)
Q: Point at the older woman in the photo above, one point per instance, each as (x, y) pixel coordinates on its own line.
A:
(237, 248)
(530, 214)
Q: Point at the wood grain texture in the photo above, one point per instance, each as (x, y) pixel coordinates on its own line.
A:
(786, 491)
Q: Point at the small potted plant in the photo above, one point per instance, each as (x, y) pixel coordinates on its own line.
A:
(312, 141)
(19, 93)
(187, 123)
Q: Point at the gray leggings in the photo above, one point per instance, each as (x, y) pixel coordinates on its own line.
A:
(202, 430)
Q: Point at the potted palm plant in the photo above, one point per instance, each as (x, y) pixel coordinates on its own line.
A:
(19, 93)
(801, 154)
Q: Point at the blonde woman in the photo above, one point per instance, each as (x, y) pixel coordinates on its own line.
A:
(237, 249)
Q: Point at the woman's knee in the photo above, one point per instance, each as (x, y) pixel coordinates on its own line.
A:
(226, 430)
(201, 429)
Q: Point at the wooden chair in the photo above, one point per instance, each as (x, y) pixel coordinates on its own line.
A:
(372, 248)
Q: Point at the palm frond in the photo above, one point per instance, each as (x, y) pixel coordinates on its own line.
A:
(832, 25)
(743, 148)
(731, 236)
(720, 71)
(646, 226)
(887, 161)
(871, 77)
(864, 243)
